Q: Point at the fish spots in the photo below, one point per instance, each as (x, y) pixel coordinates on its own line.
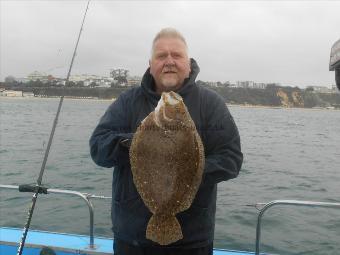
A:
(167, 162)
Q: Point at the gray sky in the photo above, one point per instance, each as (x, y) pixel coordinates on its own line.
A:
(282, 41)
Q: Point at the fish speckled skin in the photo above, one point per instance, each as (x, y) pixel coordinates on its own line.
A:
(167, 162)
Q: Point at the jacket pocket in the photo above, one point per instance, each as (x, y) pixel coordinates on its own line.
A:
(130, 218)
(205, 196)
(197, 224)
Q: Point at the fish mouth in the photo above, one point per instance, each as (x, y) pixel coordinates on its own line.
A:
(167, 98)
(171, 97)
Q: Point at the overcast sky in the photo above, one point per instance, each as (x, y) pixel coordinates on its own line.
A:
(282, 41)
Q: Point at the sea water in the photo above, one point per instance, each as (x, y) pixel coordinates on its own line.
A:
(288, 154)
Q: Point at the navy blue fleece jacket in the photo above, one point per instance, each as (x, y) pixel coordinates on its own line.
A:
(223, 158)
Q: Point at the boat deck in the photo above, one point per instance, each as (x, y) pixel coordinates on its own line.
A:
(65, 244)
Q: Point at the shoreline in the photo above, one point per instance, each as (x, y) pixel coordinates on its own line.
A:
(113, 99)
(65, 97)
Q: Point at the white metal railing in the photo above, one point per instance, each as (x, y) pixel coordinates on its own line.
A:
(84, 196)
(285, 202)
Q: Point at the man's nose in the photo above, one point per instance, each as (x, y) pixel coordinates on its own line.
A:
(169, 60)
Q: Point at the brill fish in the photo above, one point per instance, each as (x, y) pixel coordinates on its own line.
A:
(167, 162)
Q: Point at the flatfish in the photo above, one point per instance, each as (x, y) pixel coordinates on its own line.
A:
(167, 162)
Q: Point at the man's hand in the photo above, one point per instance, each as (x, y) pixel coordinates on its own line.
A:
(126, 143)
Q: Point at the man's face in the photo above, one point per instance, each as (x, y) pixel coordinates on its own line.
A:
(169, 64)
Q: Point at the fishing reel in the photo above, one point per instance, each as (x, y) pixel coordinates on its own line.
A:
(33, 188)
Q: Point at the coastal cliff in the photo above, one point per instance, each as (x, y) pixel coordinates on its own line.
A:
(279, 97)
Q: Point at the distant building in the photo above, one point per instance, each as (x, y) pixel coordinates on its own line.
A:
(251, 85)
(226, 84)
(134, 80)
(275, 84)
(320, 89)
(34, 76)
(60, 82)
(50, 77)
(232, 85)
(118, 77)
(259, 85)
(11, 93)
(211, 83)
(83, 77)
(104, 82)
(101, 82)
(248, 84)
(245, 84)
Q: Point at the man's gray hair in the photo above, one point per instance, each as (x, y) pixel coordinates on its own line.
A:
(168, 32)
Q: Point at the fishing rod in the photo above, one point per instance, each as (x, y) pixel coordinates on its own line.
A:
(38, 188)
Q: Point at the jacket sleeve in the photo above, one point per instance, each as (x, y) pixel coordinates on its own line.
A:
(223, 156)
(105, 146)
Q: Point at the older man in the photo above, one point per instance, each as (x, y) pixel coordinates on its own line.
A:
(170, 70)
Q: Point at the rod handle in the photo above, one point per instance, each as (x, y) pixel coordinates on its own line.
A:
(32, 188)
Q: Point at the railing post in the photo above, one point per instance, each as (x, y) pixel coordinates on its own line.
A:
(85, 196)
(285, 202)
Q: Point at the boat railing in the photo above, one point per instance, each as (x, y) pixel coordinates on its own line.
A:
(266, 206)
(85, 196)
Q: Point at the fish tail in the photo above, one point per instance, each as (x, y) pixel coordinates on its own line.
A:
(164, 229)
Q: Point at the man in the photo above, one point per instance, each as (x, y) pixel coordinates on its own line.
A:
(170, 70)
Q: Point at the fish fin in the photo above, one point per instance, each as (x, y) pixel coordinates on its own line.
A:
(163, 230)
